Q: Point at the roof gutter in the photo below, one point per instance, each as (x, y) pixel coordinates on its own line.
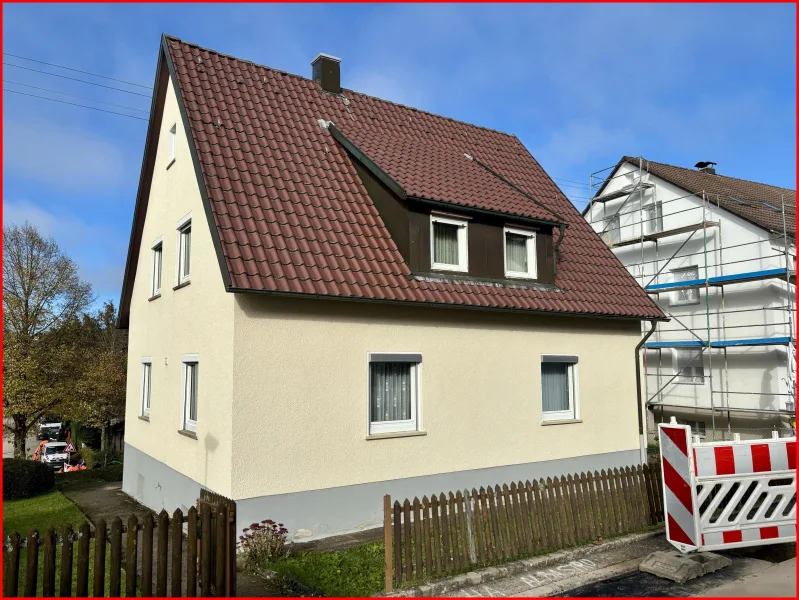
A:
(641, 437)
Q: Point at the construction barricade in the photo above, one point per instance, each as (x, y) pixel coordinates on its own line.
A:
(724, 495)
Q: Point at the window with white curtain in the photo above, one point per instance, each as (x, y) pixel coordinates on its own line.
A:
(190, 379)
(653, 217)
(559, 388)
(520, 255)
(394, 392)
(448, 244)
(688, 295)
(689, 366)
(146, 385)
(611, 230)
(158, 254)
(184, 249)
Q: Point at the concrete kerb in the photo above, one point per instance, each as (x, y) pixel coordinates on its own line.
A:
(487, 574)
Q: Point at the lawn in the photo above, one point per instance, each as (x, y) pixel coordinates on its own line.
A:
(50, 509)
(357, 571)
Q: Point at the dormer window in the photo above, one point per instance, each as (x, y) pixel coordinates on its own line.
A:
(449, 243)
(520, 254)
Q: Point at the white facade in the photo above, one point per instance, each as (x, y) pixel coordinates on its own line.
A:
(682, 375)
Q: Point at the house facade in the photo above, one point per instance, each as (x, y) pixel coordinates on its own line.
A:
(331, 297)
(718, 255)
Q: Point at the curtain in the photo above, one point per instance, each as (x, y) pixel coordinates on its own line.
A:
(516, 253)
(654, 217)
(445, 243)
(689, 274)
(555, 386)
(191, 390)
(186, 236)
(391, 391)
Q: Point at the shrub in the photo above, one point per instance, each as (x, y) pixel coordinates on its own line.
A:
(110, 473)
(24, 478)
(263, 542)
(105, 458)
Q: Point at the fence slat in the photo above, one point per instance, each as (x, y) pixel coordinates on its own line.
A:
(453, 532)
(206, 576)
(162, 554)
(559, 512)
(536, 513)
(65, 580)
(496, 539)
(221, 545)
(32, 564)
(523, 516)
(529, 506)
(592, 506)
(477, 520)
(389, 547)
(11, 572)
(485, 510)
(502, 523)
(607, 504)
(115, 566)
(147, 556)
(397, 542)
(177, 553)
(82, 575)
(131, 566)
(446, 558)
(463, 531)
(417, 537)
(629, 495)
(471, 532)
(510, 512)
(584, 505)
(428, 548)
(100, 542)
(406, 516)
(436, 532)
(48, 572)
(572, 516)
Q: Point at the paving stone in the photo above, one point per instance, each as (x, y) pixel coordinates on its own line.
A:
(680, 567)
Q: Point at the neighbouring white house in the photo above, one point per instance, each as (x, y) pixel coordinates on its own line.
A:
(718, 254)
(332, 297)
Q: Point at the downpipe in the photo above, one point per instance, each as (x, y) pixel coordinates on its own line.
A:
(641, 434)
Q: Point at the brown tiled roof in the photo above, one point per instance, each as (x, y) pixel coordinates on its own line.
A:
(725, 190)
(293, 216)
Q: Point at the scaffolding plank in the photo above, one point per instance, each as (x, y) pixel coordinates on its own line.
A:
(652, 237)
(719, 280)
(625, 191)
(772, 341)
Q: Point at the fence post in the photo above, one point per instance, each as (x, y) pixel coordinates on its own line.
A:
(65, 586)
(221, 543)
(116, 558)
(470, 526)
(99, 559)
(48, 577)
(11, 573)
(205, 550)
(32, 564)
(163, 549)
(84, 547)
(191, 554)
(389, 566)
(177, 553)
(130, 557)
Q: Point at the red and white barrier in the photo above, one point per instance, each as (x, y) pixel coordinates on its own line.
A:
(724, 495)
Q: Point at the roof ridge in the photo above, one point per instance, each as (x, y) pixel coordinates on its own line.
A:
(273, 69)
(629, 158)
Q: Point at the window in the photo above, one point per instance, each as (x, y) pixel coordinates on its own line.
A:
(146, 385)
(653, 217)
(173, 134)
(191, 365)
(184, 250)
(689, 366)
(158, 254)
(448, 244)
(612, 230)
(520, 255)
(688, 295)
(394, 392)
(559, 389)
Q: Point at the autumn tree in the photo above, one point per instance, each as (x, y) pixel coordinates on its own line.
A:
(43, 301)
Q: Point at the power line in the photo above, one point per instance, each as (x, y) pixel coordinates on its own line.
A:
(74, 104)
(582, 184)
(75, 79)
(76, 70)
(75, 96)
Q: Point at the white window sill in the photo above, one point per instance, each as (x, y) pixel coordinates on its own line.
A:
(395, 434)
(560, 421)
(453, 268)
(182, 284)
(144, 418)
(515, 275)
(187, 433)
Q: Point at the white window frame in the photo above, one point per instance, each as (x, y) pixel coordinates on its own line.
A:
(532, 256)
(653, 225)
(157, 267)
(675, 295)
(173, 134)
(189, 424)
(675, 356)
(405, 425)
(573, 370)
(184, 223)
(463, 244)
(146, 386)
(611, 235)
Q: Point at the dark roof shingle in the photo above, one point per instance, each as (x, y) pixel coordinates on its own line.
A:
(293, 216)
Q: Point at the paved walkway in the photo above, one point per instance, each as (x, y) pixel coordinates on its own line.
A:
(777, 581)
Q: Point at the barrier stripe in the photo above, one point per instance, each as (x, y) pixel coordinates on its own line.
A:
(704, 461)
(761, 459)
(791, 448)
(678, 486)
(767, 533)
(778, 455)
(743, 460)
(731, 537)
(725, 461)
(676, 469)
(677, 534)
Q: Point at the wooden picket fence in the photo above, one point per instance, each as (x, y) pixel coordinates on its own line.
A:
(159, 542)
(451, 533)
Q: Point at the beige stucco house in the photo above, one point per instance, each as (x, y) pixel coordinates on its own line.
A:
(331, 297)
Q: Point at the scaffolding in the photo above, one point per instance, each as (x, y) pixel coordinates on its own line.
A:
(635, 228)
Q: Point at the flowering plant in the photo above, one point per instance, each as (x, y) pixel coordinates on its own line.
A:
(263, 542)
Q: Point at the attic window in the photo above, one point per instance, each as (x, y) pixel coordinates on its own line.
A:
(448, 244)
(520, 255)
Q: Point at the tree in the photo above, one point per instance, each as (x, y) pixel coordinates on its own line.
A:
(43, 297)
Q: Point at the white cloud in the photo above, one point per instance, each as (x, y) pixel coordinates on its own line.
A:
(63, 157)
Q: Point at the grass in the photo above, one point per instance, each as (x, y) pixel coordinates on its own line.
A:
(357, 571)
(48, 510)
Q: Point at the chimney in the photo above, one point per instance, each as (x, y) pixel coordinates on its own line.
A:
(327, 72)
(706, 166)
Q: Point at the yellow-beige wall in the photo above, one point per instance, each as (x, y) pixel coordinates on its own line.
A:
(195, 319)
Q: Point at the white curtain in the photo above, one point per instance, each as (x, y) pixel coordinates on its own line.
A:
(689, 274)
(654, 217)
(445, 243)
(516, 253)
(186, 238)
(555, 386)
(391, 391)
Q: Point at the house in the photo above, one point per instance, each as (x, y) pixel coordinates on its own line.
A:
(332, 297)
(718, 254)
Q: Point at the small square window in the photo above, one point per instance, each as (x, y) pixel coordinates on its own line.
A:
(173, 134)
(191, 366)
(146, 385)
(158, 254)
(611, 232)
(689, 295)
(449, 244)
(184, 250)
(520, 254)
(689, 366)
(394, 392)
(559, 388)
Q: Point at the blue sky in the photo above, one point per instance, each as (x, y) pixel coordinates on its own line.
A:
(580, 85)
